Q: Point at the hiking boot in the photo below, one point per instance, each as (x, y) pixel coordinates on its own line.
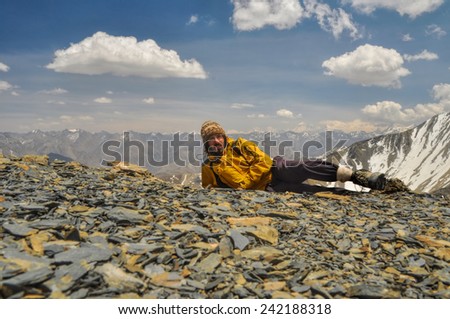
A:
(366, 178)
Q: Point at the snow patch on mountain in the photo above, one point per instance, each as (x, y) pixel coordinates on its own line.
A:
(418, 156)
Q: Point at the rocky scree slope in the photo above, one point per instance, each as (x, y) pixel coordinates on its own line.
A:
(70, 231)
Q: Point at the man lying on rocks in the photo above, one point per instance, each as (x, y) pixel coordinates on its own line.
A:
(240, 164)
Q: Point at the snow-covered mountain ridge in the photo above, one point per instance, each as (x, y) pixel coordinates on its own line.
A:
(420, 156)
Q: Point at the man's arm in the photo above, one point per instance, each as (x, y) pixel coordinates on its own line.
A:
(257, 164)
(208, 179)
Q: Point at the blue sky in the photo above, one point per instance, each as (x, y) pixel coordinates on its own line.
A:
(249, 64)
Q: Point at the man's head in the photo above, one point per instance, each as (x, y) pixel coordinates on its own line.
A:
(214, 138)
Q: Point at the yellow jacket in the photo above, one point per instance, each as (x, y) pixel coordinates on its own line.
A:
(243, 165)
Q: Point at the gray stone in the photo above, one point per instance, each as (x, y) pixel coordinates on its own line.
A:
(239, 240)
(87, 254)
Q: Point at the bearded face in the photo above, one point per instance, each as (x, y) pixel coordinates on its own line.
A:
(216, 145)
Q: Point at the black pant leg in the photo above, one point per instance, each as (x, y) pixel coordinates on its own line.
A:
(291, 171)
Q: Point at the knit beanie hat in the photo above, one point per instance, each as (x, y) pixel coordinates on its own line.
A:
(210, 128)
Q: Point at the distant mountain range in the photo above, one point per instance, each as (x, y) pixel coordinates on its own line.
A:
(175, 157)
(419, 156)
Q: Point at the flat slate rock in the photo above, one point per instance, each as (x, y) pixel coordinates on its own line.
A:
(18, 229)
(70, 231)
(83, 254)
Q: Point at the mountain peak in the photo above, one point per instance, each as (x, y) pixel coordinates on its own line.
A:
(418, 156)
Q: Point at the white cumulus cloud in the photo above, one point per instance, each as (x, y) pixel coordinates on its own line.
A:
(387, 110)
(4, 67)
(4, 86)
(424, 55)
(103, 100)
(124, 56)
(56, 91)
(441, 92)
(241, 106)
(56, 102)
(249, 15)
(435, 31)
(391, 112)
(368, 65)
(193, 19)
(331, 20)
(411, 8)
(407, 38)
(149, 100)
(255, 14)
(285, 113)
(256, 116)
(351, 126)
